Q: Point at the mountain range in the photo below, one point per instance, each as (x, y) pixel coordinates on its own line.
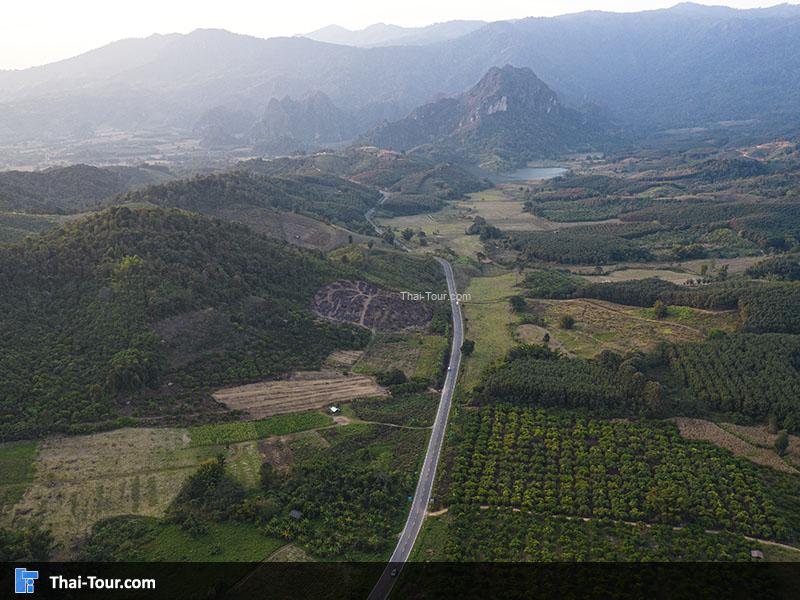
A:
(686, 66)
(381, 34)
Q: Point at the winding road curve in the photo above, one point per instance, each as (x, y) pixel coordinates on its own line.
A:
(427, 475)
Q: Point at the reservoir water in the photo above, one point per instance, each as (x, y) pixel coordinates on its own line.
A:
(528, 174)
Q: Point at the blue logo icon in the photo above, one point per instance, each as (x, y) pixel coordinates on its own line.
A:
(23, 580)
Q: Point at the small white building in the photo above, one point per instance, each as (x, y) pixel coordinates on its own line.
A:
(334, 409)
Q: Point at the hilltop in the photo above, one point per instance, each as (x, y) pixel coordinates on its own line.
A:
(509, 116)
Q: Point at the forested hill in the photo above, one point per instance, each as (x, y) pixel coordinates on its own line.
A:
(138, 311)
(72, 189)
(322, 196)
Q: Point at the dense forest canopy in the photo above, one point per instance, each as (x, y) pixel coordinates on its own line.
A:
(91, 314)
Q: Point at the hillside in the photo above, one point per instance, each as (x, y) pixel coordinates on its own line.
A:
(135, 312)
(72, 189)
(416, 181)
(509, 117)
(324, 197)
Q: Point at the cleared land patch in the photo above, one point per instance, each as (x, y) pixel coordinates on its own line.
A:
(345, 358)
(488, 316)
(390, 350)
(290, 553)
(758, 435)
(294, 228)
(81, 480)
(70, 483)
(500, 206)
(604, 325)
(700, 429)
(304, 391)
(416, 354)
(370, 306)
(634, 274)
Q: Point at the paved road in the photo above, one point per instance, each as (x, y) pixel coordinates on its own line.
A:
(371, 213)
(427, 476)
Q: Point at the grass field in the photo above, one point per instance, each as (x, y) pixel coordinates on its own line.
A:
(443, 229)
(603, 325)
(431, 540)
(83, 479)
(417, 410)
(235, 542)
(417, 354)
(242, 431)
(500, 206)
(304, 391)
(632, 274)
(17, 470)
(488, 316)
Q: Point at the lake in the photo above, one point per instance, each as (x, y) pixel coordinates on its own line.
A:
(528, 174)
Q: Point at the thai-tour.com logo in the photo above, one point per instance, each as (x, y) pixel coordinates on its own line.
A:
(25, 582)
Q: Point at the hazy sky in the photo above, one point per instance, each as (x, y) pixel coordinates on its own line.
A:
(34, 32)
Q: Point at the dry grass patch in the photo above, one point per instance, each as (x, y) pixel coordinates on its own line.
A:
(303, 391)
(290, 553)
(392, 350)
(758, 435)
(636, 274)
(487, 318)
(533, 334)
(604, 325)
(81, 480)
(294, 228)
(700, 429)
(344, 358)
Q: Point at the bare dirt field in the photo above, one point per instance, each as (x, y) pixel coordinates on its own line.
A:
(370, 306)
(699, 429)
(303, 391)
